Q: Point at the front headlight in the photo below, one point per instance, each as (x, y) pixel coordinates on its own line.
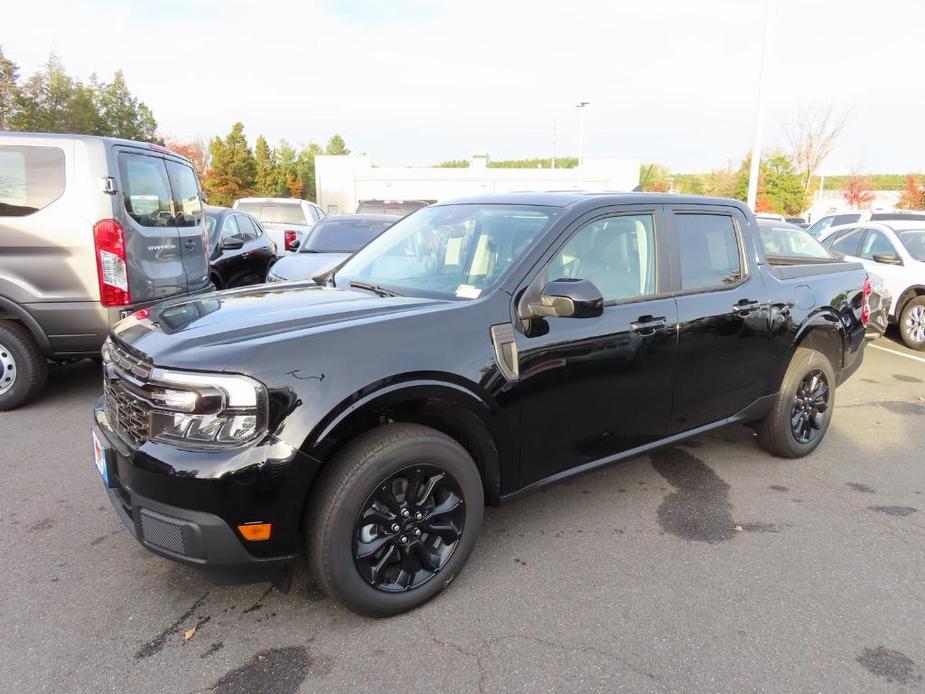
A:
(206, 409)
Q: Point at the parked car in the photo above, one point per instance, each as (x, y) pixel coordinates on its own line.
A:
(331, 242)
(396, 208)
(788, 244)
(894, 250)
(93, 229)
(240, 250)
(286, 220)
(818, 227)
(473, 352)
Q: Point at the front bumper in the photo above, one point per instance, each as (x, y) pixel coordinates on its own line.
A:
(186, 505)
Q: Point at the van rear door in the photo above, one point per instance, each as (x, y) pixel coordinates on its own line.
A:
(188, 216)
(152, 240)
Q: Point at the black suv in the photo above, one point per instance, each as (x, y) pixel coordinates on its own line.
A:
(474, 351)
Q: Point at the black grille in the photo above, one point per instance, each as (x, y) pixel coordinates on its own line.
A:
(160, 532)
(129, 414)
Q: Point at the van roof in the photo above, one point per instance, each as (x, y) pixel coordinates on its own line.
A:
(70, 137)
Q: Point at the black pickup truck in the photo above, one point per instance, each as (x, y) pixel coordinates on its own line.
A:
(475, 351)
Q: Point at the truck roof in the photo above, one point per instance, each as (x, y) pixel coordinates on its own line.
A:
(565, 198)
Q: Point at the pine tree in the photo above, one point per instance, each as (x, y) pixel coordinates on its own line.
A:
(121, 114)
(233, 168)
(9, 91)
(266, 175)
(336, 145)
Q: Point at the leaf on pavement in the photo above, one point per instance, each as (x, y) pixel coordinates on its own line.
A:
(189, 633)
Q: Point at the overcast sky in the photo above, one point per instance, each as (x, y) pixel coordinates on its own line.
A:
(416, 82)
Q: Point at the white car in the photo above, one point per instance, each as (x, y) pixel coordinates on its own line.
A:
(820, 228)
(896, 252)
(286, 220)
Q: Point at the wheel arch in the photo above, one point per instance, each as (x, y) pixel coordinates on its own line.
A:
(906, 296)
(456, 410)
(823, 332)
(12, 311)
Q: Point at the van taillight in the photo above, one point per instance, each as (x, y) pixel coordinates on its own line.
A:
(289, 237)
(109, 239)
(865, 302)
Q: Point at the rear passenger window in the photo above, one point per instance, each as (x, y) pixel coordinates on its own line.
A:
(187, 203)
(709, 250)
(616, 254)
(30, 178)
(146, 190)
(846, 244)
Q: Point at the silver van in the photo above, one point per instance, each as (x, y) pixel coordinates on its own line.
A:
(91, 229)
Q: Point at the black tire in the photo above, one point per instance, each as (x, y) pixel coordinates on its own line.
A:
(352, 479)
(912, 323)
(783, 430)
(25, 369)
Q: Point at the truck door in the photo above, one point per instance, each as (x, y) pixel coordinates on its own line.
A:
(724, 347)
(591, 388)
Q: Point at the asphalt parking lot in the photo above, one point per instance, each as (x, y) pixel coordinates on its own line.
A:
(706, 567)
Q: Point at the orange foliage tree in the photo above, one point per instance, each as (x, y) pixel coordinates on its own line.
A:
(913, 195)
(857, 191)
(194, 151)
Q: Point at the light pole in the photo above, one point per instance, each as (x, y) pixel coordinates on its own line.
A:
(759, 117)
(581, 105)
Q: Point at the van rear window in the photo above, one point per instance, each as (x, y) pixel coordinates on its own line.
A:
(31, 178)
(146, 190)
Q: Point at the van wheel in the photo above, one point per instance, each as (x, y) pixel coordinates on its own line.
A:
(394, 519)
(23, 369)
(912, 323)
(802, 409)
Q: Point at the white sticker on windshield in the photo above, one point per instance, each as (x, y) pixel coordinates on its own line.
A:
(467, 291)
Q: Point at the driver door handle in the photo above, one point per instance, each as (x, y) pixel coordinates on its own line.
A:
(744, 306)
(647, 325)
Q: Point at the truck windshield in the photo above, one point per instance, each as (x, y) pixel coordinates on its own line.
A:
(914, 241)
(789, 242)
(449, 251)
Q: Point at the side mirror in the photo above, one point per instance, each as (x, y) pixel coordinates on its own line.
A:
(888, 259)
(569, 298)
(232, 243)
(294, 246)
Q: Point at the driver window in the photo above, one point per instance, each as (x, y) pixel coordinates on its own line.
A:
(616, 254)
(230, 229)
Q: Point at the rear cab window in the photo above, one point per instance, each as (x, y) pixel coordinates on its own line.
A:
(275, 212)
(709, 249)
(783, 241)
(31, 178)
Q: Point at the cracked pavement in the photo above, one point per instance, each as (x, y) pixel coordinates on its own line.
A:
(707, 567)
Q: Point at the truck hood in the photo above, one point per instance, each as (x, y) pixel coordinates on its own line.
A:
(304, 266)
(212, 330)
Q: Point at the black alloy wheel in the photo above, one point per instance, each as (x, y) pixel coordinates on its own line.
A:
(408, 528)
(810, 404)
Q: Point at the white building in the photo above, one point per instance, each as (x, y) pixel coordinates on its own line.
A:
(829, 201)
(343, 181)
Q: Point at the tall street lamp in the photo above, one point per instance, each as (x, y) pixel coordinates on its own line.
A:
(759, 116)
(581, 130)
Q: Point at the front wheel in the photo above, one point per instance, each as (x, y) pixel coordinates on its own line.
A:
(912, 323)
(802, 409)
(394, 519)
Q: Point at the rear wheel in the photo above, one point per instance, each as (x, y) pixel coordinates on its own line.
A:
(801, 413)
(23, 368)
(912, 323)
(394, 519)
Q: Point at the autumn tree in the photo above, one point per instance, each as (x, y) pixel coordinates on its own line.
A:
(913, 195)
(232, 168)
(194, 151)
(857, 191)
(336, 145)
(654, 178)
(812, 133)
(294, 185)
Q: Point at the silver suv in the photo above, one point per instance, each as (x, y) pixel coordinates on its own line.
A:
(93, 229)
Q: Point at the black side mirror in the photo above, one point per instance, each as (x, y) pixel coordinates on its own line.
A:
(569, 298)
(232, 243)
(888, 259)
(294, 246)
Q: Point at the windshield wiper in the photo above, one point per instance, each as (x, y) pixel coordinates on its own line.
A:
(381, 291)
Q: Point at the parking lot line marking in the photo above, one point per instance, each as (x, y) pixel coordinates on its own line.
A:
(898, 354)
